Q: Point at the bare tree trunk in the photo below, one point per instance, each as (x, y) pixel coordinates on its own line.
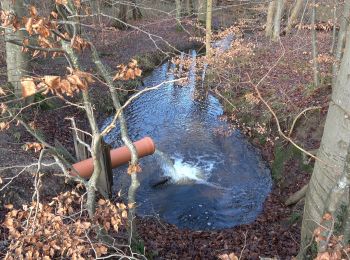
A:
(208, 28)
(188, 7)
(294, 15)
(334, 31)
(125, 138)
(201, 4)
(178, 11)
(314, 45)
(270, 15)
(122, 17)
(344, 22)
(277, 20)
(335, 198)
(17, 62)
(346, 229)
(136, 12)
(96, 144)
(332, 152)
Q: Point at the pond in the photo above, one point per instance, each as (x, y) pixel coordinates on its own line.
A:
(219, 179)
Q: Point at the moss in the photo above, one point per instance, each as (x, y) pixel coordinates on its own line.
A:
(138, 246)
(281, 156)
(150, 61)
(295, 217)
(284, 153)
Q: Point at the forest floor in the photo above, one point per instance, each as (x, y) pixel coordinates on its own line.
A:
(289, 90)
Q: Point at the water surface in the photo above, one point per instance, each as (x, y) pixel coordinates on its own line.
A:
(219, 181)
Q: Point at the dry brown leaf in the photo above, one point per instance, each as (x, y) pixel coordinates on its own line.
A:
(33, 11)
(29, 25)
(61, 2)
(2, 92)
(52, 81)
(124, 214)
(4, 126)
(28, 87)
(33, 146)
(134, 169)
(9, 206)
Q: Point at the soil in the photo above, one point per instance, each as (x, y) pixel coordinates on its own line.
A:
(276, 232)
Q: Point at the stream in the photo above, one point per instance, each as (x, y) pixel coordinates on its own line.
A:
(217, 179)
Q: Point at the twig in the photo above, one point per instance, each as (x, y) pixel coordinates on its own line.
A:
(244, 245)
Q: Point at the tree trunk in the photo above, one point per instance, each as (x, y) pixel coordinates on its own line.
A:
(334, 31)
(188, 7)
(344, 22)
(201, 9)
(294, 15)
(136, 12)
(277, 20)
(178, 11)
(208, 28)
(314, 45)
(332, 152)
(270, 15)
(122, 17)
(17, 62)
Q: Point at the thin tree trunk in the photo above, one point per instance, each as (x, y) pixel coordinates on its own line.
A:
(136, 12)
(346, 229)
(103, 71)
(334, 31)
(314, 45)
(277, 20)
(178, 11)
(344, 22)
(332, 152)
(294, 15)
(208, 28)
(201, 4)
(17, 62)
(270, 15)
(188, 7)
(122, 17)
(96, 144)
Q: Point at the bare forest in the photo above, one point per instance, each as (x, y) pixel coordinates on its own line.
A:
(175, 129)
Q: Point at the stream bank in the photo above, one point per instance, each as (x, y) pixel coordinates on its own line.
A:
(289, 90)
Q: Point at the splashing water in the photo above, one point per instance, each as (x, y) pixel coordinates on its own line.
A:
(181, 172)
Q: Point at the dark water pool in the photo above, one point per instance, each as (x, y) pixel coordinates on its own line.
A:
(219, 181)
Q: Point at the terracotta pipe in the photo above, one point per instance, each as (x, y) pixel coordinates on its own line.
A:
(119, 156)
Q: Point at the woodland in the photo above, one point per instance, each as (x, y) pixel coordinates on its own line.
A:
(175, 129)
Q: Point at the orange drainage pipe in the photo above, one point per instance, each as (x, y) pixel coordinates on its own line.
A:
(119, 156)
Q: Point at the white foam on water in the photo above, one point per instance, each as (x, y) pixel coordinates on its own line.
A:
(185, 172)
